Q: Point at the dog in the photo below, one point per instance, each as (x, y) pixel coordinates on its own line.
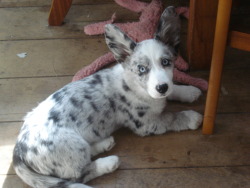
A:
(59, 137)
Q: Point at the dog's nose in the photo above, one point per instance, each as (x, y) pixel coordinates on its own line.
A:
(162, 88)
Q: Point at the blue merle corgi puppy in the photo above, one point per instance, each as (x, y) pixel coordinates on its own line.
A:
(61, 135)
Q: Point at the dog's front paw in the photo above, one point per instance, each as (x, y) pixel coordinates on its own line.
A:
(109, 143)
(193, 93)
(107, 164)
(195, 119)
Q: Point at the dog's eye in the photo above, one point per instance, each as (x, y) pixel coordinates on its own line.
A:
(165, 62)
(142, 69)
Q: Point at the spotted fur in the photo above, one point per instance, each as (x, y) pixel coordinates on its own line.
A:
(61, 135)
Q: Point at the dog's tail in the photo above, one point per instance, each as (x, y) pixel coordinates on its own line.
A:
(42, 181)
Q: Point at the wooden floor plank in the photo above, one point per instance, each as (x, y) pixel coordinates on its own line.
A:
(229, 146)
(13, 27)
(48, 57)
(19, 96)
(176, 178)
(236, 177)
(236, 59)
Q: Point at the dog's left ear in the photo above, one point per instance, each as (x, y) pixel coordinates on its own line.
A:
(168, 30)
(119, 43)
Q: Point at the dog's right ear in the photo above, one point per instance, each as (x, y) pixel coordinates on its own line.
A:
(168, 30)
(119, 43)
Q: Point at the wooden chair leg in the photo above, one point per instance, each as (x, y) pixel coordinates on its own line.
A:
(220, 40)
(58, 11)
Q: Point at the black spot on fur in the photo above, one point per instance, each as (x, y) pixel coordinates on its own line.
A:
(109, 37)
(124, 100)
(102, 122)
(20, 151)
(55, 164)
(72, 117)
(132, 45)
(47, 143)
(124, 110)
(76, 103)
(154, 128)
(112, 104)
(32, 166)
(112, 45)
(93, 82)
(62, 184)
(79, 123)
(58, 96)
(84, 174)
(94, 106)
(83, 150)
(87, 97)
(53, 173)
(108, 78)
(141, 113)
(96, 133)
(34, 150)
(55, 116)
(90, 119)
(137, 123)
(98, 79)
(106, 114)
(25, 136)
(142, 107)
(125, 86)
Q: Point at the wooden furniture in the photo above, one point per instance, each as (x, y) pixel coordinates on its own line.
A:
(237, 40)
(58, 11)
(201, 26)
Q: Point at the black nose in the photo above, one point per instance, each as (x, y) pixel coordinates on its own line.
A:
(162, 88)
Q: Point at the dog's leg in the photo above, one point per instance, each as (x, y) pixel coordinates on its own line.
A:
(100, 167)
(185, 93)
(102, 146)
(185, 120)
(170, 122)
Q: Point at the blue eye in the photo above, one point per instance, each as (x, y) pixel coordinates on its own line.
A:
(165, 62)
(142, 69)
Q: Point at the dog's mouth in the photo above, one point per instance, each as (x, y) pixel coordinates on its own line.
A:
(159, 95)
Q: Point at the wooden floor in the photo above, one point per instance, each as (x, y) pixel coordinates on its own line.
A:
(54, 54)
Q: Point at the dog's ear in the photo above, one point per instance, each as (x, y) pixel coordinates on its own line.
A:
(118, 42)
(168, 30)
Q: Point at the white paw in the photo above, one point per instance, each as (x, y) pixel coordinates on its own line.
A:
(108, 143)
(107, 164)
(102, 146)
(195, 119)
(193, 93)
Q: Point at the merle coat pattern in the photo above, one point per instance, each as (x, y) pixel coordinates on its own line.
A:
(59, 137)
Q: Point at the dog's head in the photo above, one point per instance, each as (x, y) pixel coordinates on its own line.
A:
(148, 64)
